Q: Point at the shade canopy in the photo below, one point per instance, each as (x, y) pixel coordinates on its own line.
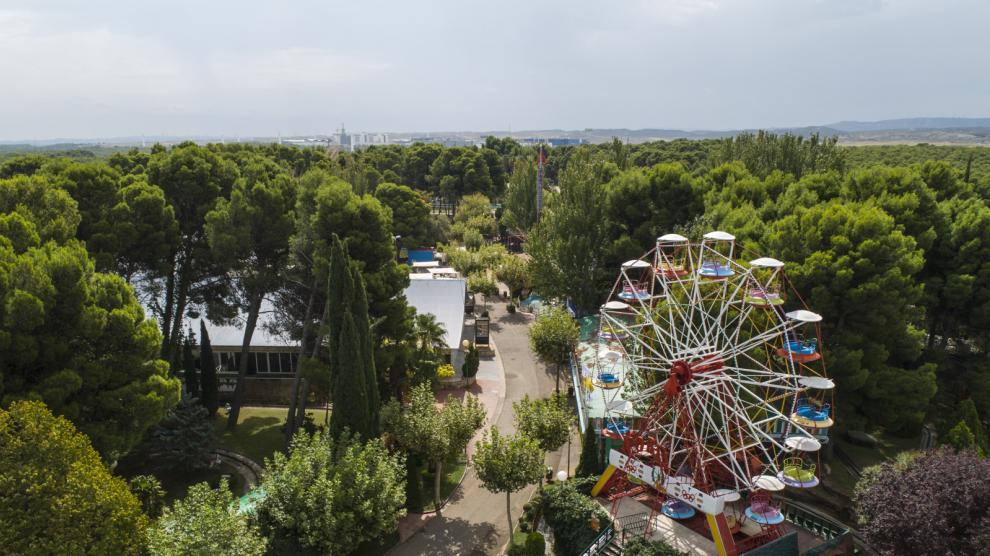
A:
(803, 315)
(768, 482)
(802, 443)
(636, 263)
(720, 236)
(817, 382)
(766, 262)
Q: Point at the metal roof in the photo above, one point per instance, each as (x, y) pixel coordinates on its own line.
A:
(444, 298)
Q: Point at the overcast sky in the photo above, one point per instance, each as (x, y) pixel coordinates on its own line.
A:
(103, 69)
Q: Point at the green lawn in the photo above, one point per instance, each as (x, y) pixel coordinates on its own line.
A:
(840, 479)
(259, 431)
(886, 449)
(453, 471)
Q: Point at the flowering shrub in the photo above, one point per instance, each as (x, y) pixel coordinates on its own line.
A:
(445, 371)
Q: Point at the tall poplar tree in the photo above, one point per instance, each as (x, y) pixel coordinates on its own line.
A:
(570, 245)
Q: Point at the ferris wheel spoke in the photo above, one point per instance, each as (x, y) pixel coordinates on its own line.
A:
(759, 340)
(728, 419)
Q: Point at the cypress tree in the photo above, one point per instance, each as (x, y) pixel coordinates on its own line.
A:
(339, 294)
(590, 463)
(339, 287)
(363, 325)
(967, 413)
(353, 379)
(350, 405)
(208, 372)
(189, 370)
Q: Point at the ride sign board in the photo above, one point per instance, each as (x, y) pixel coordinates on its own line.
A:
(678, 487)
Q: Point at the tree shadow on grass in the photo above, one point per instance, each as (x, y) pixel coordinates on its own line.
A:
(256, 436)
(252, 425)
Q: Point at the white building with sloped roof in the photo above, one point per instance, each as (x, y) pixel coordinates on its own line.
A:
(443, 296)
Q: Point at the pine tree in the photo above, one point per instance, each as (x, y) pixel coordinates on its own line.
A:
(350, 406)
(208, 372)
(183, 440)
(590, 463)
(189, 370)
(361, 321)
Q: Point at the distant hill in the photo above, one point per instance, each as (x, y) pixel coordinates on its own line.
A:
(970, 131)
(902, 124)
(959, 131)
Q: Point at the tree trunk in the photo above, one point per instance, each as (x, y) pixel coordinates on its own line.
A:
(436, 487)
(290, 424)
(181, 298)
(508, 513)
(558, 378)
(167, 315)
(319, 332)
(252, 321)
(569, 451)
(180, 309)
(303, 396)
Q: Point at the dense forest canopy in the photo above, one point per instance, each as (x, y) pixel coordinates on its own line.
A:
(888, 242)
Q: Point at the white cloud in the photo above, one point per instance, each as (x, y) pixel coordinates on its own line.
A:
(225, 67)
(674, 12)
(95, 63)
(291, 68)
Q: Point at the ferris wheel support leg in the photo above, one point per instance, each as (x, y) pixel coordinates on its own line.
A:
(603, 480)
(722, 535)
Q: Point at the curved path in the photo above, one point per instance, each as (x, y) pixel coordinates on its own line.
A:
(474, 522)
(249, 471)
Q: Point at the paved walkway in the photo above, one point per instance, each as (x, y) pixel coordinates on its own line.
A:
(489, 388)
(474, 522)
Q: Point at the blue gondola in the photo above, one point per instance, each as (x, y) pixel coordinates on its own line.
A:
(812, 413)
(802, 347)
(715, 270)
(617, 427)
(676, 509)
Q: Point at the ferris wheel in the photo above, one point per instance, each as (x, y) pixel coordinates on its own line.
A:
(712, 377)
